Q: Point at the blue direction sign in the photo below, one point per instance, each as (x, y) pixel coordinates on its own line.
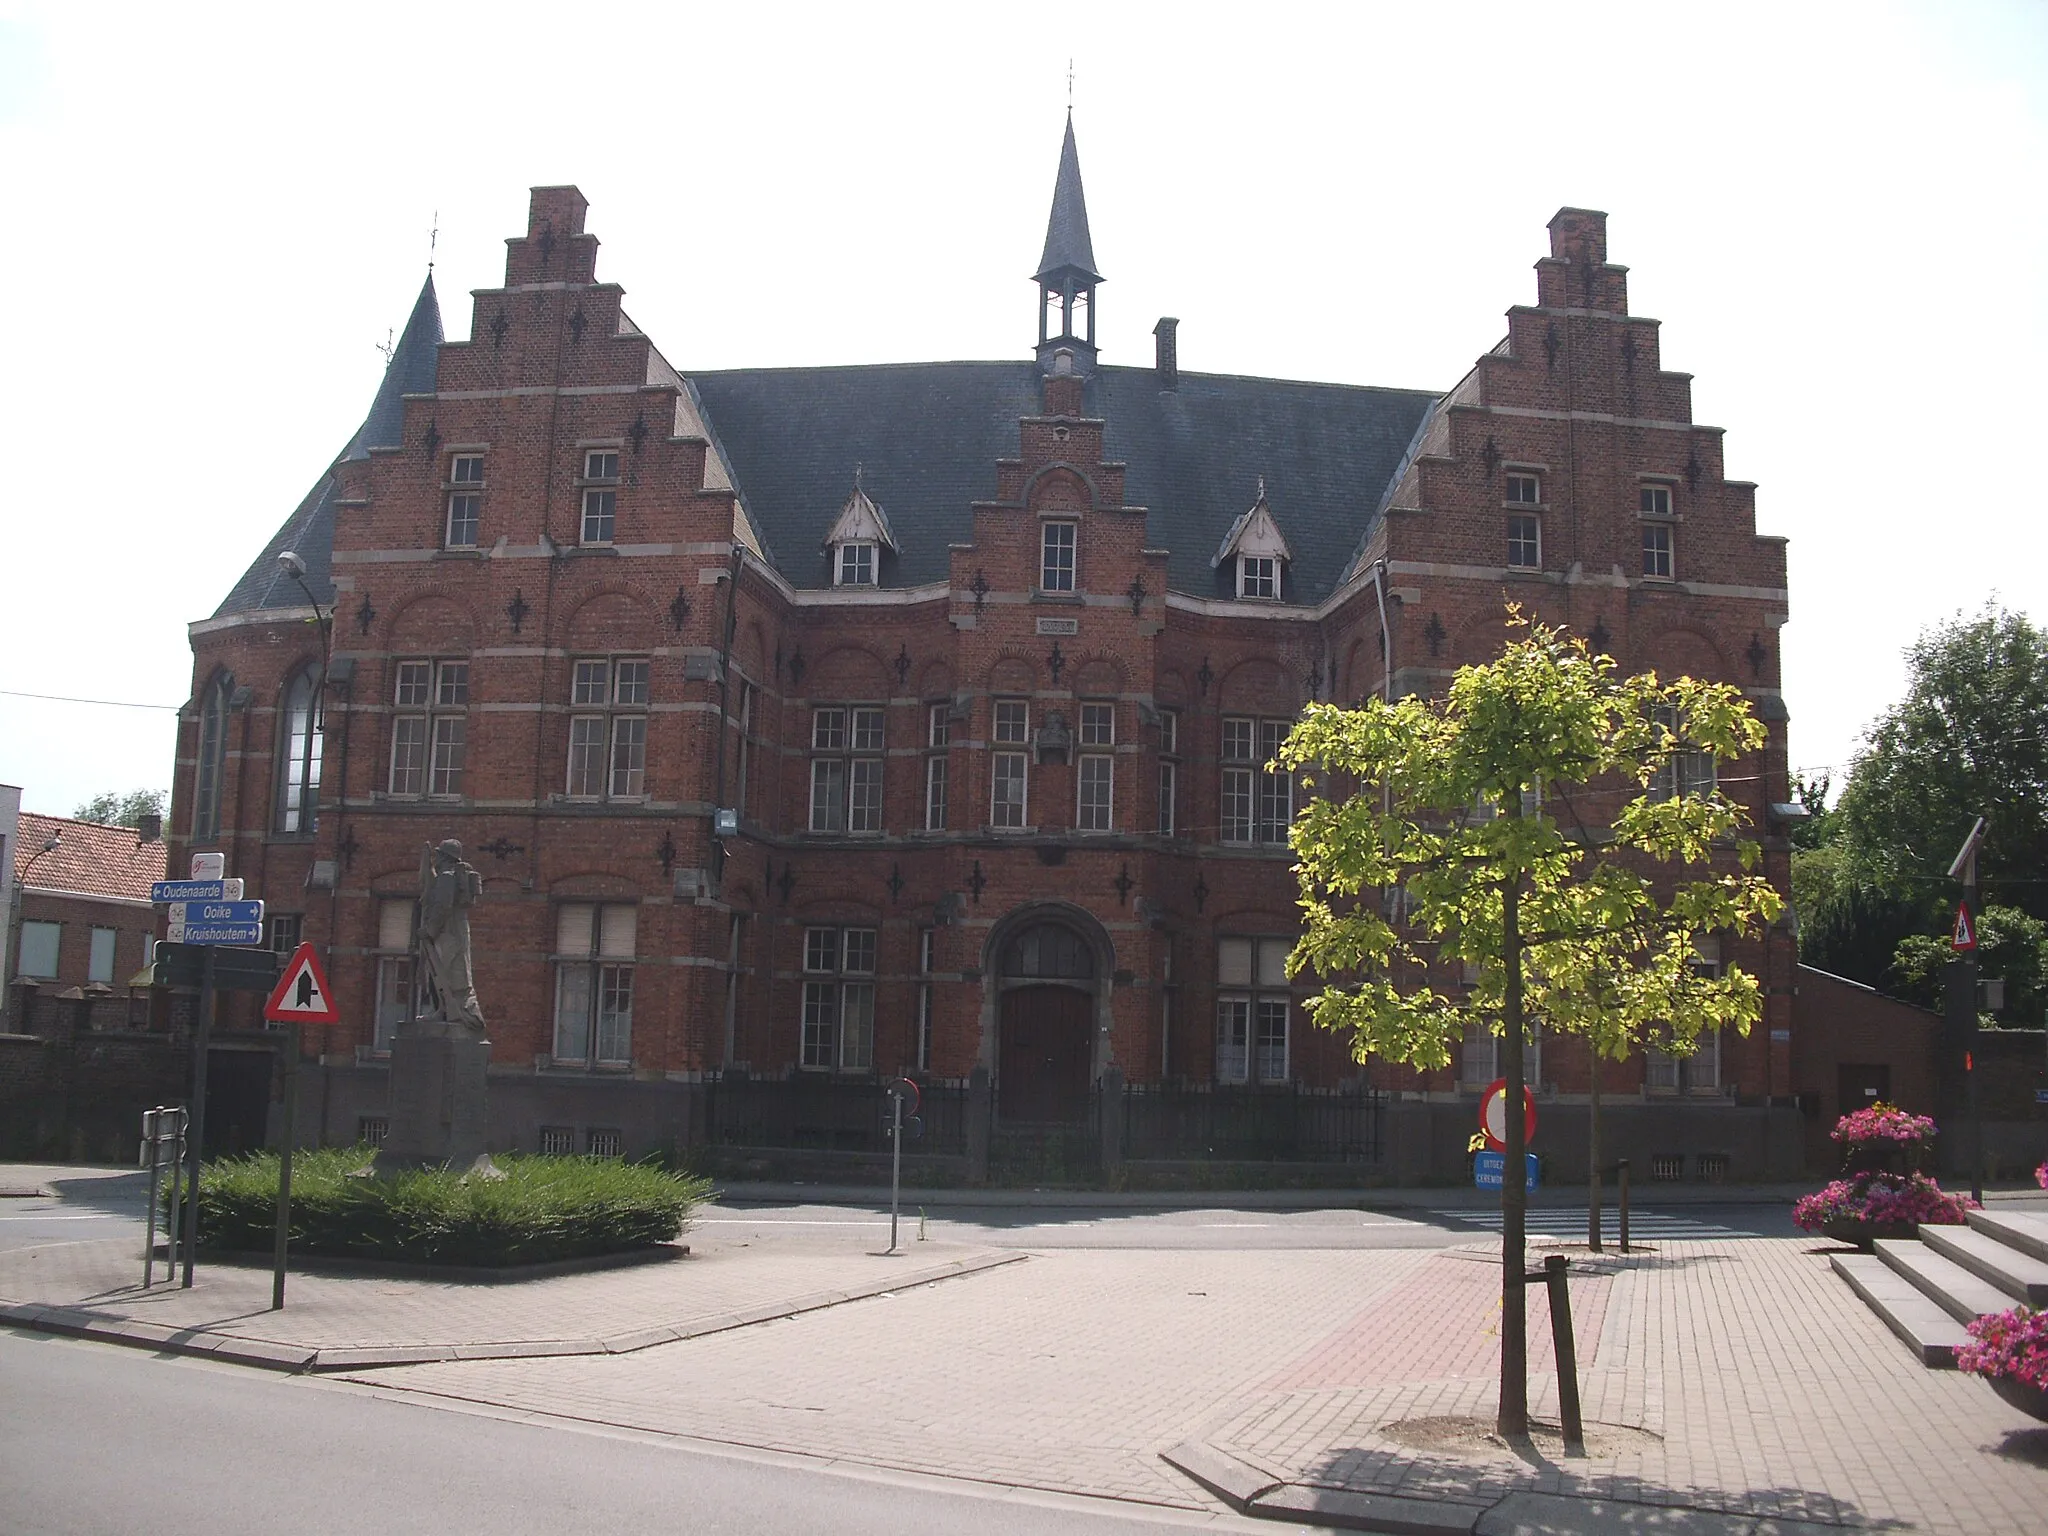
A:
(1489, 1169)
(195, 890)
(216, 922)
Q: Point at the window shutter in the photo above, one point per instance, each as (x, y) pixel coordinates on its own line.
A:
(621, 926)
(1234, 962)
(573, 922)
(1273, 962)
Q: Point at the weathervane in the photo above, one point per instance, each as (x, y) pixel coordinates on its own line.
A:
(433, 239)
(1070, 86)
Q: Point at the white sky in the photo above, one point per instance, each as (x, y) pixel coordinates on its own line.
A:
(1838, 211)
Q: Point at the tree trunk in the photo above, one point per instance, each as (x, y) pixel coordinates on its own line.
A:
(1514, 1200)
(1593, 1152)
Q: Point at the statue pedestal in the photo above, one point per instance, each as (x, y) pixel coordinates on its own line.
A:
(439, 1114)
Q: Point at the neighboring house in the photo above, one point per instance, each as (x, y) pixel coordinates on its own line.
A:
(84, 925)
(813, 725)
(10, 815)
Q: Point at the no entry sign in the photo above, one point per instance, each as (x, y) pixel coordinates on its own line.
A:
(1493, 1115)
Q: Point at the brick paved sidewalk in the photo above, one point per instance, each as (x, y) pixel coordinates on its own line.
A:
(1774, 1393)
(349, 1320)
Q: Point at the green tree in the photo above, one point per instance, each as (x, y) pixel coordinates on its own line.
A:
(1525, 823)
(1969, 739)
(2010, 944)
(114, 809)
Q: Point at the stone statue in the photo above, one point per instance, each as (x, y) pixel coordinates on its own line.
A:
(448, 889)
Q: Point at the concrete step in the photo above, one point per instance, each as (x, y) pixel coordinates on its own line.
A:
(2019, 1275)
(1958, 1292)
(2024, 1230)
(1929, 1332)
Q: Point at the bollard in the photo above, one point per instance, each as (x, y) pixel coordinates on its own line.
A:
(1554, 1277)
(1621, 1180)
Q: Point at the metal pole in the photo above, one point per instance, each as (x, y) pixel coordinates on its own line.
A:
(1976, 1110)
(1593, 1154)
(152, 1149)
(196, 1135)
(172, 1224)
(1621, 1195)
(895, 1166)
(289, 1133)
(1561, 1344)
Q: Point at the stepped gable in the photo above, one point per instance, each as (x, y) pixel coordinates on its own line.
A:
(928, 436)
(309, 531)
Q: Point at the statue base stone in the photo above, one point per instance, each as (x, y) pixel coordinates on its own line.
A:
(439, 1112)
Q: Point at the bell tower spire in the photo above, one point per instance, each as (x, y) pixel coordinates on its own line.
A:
(1066, 272)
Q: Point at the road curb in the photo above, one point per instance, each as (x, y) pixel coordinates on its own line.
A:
(268, 1354)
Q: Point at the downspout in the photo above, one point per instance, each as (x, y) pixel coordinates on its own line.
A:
(1379, 592)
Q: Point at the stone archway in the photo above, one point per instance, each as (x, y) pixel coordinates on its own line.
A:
(1046, 1003)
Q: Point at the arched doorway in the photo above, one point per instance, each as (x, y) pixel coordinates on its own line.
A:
(1046, 981)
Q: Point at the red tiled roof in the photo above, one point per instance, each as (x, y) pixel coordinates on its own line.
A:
(89, 859)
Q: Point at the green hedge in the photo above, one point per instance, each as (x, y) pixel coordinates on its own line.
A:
(544, 1209)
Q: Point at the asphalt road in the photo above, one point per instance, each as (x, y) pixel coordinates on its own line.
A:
(97, 1440)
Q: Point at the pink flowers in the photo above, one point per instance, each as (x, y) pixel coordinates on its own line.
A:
(1883, 1123)
(2041, 1175)
(1883, 1200)
(2011, 1344)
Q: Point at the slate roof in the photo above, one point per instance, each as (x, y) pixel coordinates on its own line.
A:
(90, 859)
(929, 435)
(1067, 246)
(309, 531)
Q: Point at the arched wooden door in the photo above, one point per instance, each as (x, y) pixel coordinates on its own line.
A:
(1048, 1055)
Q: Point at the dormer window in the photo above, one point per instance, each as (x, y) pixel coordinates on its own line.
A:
(1255, 552)
(856, 565)
(1258, 576)
(858, 536)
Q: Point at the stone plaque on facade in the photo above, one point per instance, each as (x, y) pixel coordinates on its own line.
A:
(1059, 626)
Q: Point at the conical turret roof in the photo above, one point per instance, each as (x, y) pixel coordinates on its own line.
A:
(1067, 246)
(309, 531)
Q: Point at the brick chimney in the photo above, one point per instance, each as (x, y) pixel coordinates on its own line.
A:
(149, 827)
(1166, 352)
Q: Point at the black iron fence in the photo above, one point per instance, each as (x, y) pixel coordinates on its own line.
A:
(1284, 1124)
(832, 1114)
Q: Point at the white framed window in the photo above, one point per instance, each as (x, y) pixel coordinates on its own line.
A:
(429, 731)
(1700, 1072)
(604, 1141)
(1479, 1057)
(856, 566)
(1653, 500)
(608, 729)
(839, 999)
(927, 951)
(846, 768)
(285, 931)
(1659, 556)
(213, 743)
(395, 994)
(1525, 541)
(1169, 771)
(99, 962)
(37, 955)
(600, 495)
(1010, 765)
(938, 737)
(465, 500)
(1523, 489)
(1258, 576)
(299, 743)
(1095, 776)
(1258, 801)
(594, 951)
(1057, 542)
(1686, 770)
(1252, 1007)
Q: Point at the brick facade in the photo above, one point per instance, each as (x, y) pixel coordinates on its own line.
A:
(743, 646)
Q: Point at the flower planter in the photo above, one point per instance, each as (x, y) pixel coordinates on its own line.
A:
(2030, 1400)
(1865, 1233)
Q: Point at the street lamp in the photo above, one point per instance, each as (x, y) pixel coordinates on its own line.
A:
(12, 958)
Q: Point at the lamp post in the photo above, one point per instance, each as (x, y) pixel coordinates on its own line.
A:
(13, 956)
(316, 721)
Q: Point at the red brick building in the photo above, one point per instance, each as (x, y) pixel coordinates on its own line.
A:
(83, 924)
(811, 725)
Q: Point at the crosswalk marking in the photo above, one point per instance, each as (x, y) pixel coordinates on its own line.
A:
(1568, 1223)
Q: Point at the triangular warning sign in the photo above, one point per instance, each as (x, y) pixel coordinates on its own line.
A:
(301, 995)
(1965, 935)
